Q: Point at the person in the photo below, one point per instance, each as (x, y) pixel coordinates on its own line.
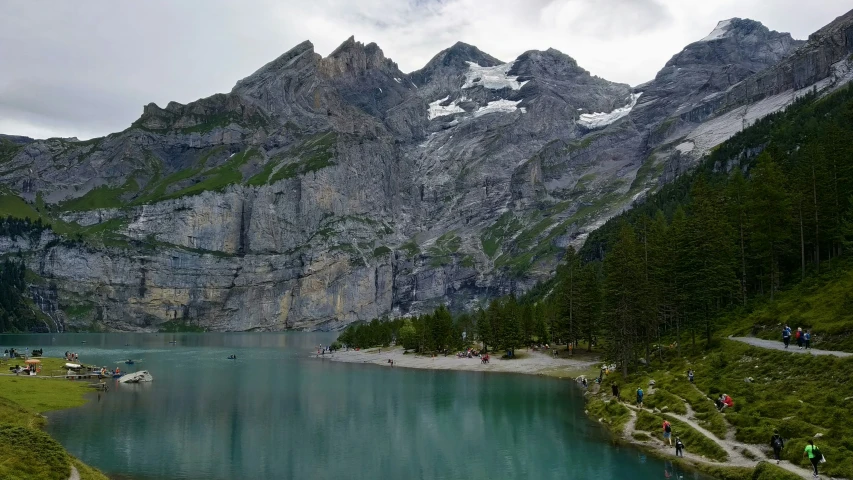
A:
(585, 385)
(679, 447)
(727, 402)
(640, 397)
(690, 375)
(719, 402)
(786, 335)
(808, 338)
(667, 432)
(615, 389)
(814, 455)
(777, 444)
(799, 338)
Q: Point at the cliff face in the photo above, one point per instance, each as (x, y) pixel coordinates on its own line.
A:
(322, 191)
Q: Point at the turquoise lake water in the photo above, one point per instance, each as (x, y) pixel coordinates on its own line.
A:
(276, 413)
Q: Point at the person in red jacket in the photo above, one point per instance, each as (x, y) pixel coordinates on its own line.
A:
(727, 402)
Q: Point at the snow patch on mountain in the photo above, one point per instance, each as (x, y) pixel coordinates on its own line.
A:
(499, 106)
(493, 78)
(719, 32)
(685, 147)
(599, 120)
(436, 109)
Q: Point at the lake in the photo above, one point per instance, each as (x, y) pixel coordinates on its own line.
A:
(275, 413)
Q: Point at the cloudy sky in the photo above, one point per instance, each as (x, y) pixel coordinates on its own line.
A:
(86, 68)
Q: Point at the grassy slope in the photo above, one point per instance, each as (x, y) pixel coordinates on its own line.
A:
(800, 395)
(27, 452)
(823, 303)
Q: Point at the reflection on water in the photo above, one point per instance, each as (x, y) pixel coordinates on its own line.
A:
(273, 413)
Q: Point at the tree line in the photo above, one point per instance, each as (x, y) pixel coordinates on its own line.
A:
(15, 312)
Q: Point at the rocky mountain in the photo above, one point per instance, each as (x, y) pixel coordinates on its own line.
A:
(326, 190)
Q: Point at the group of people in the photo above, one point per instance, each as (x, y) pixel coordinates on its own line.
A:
(11, 353)
(667, 437)
(777, 443)
(470, 353)
(72, 357)
(803, 338)
(723, 402)
(321, 350)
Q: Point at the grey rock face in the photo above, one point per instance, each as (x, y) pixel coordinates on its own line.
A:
(322, 191)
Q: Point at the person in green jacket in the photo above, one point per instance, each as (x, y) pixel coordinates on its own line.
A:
(814, 455)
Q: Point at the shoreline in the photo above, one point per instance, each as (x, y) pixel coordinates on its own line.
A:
(543, 364)
(526, 362)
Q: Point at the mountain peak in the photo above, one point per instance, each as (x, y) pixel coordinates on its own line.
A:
(739, 27)
(355, 57)
(293, 58)
(455, 58)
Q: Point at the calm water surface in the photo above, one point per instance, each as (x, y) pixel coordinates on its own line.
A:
(274, 413)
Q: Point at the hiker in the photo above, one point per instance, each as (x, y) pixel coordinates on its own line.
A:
(640, 397)
(808, 338)
(727, 402)
(667, 432)
(777, 444)
(690, 375)
(799, 336)
(679, 448)
(814, 455)
(786, 335)
(615, 389)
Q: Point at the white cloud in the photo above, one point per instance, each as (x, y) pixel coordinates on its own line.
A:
(96, 63)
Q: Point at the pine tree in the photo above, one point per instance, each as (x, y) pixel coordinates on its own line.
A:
(769, 206)
(623, 302)
(589, 303)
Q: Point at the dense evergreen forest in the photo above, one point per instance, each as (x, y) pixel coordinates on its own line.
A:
(16, 314)
(764, 210)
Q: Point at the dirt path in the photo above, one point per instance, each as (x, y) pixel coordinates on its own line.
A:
(739, 454)
(75, 475)
(778, 345)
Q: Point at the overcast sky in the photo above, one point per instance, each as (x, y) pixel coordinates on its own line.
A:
(86, 68)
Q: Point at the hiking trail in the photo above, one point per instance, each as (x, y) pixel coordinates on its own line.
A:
(778, 345)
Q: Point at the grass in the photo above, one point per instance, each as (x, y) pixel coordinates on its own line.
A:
(612, 413)
(694, 441)
(493, 237)
(411, 248)
(219, 177)
(101, 197)
(516, 262)
(158, 190)
(174, 326)
(15, 206)
(444, 248)
(313, 154)
(8, 150)
(822, 303)
(800, 395)
(27, 452)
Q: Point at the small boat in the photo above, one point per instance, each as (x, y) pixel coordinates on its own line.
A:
(136, 377)
(73, 366)
(128, 362)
